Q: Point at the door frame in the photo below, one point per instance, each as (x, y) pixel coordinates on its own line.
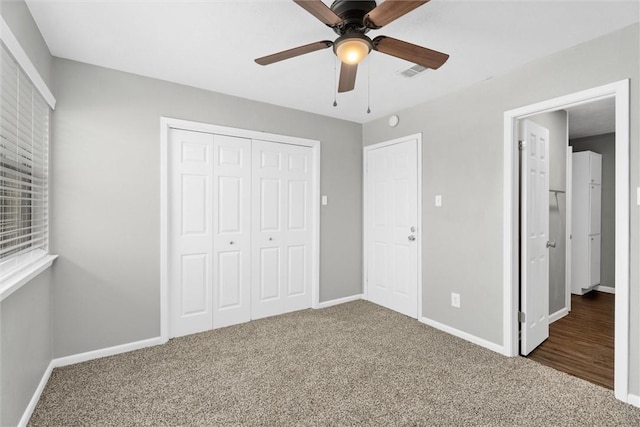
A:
(366, 214)
(568, 229)
(168, 123)
(511, 275)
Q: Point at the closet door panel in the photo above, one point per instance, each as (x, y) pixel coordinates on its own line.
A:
(269, 278)
(267, 230)
(230, 279)
(282, 233)
(194, 271)
(232, 230)
(298, 230)
(190, 232)
(297, 271)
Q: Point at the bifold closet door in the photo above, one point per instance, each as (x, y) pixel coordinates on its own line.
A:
(190, 232)
(232, 230)
(281, 228)
(240, 230)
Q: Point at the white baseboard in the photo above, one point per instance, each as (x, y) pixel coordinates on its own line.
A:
(26, 416)
(558, 315)
(333, 302)
(607, 289)
(633, 399)
(464, 335)
(82, 357)
(104, 352)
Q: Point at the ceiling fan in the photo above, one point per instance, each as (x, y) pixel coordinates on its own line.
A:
(351, 20)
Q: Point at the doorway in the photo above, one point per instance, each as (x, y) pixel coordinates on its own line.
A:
(581, 273)
(392, 224)
(620, 92)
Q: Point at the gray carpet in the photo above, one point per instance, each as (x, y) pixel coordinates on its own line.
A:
(356, 363)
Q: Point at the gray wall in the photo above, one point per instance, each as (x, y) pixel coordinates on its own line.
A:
(25, 347)
(462, 135)
(605, 145)
(557, 123)
(25, 332)
(105, 193)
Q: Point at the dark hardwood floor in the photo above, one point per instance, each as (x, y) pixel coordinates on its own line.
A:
(581, 344)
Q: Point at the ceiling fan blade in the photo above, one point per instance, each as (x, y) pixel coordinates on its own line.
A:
(413, 53)
(347, 77)
(389, 11)
(321, 11)
(296, 51)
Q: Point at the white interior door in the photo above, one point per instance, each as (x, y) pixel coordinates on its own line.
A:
(190, 232)
(232, 230)
(392, 237)
(534, 293)
(281, 228)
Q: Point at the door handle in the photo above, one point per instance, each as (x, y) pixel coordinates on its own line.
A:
(412, 238)
(551, 244)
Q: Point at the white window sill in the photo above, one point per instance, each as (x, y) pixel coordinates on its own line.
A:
(16, 280)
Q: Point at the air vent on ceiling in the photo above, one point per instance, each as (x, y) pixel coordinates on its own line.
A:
(412, 71)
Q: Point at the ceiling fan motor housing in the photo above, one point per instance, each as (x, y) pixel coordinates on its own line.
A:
(352, 12)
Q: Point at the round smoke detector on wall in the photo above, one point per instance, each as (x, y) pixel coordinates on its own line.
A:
(394, 120)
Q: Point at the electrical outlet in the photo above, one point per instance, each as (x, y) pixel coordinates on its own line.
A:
(455, 300)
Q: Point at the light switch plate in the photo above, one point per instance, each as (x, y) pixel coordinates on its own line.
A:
(324, 200)
(638, 196)
(438, 200)
(455, 300)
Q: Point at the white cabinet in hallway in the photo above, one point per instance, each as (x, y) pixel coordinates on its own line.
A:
(586, 221)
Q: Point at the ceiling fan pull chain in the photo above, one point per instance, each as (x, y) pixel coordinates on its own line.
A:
(369, 85)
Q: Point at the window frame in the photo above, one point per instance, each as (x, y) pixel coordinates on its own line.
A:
(19, 268)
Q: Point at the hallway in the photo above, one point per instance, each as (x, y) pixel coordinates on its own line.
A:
(581, 344)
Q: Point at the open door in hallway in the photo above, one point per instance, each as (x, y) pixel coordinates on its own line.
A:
(534, 229)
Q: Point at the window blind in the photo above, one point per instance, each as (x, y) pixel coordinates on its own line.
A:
(24, 144)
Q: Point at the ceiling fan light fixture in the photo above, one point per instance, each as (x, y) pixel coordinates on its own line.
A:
(352, 48)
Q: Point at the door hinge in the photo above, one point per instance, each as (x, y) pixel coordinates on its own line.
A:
(521, 317)
(520, 145)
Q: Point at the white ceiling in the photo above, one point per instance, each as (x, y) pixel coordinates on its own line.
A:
(594, 118)
(212, 44)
